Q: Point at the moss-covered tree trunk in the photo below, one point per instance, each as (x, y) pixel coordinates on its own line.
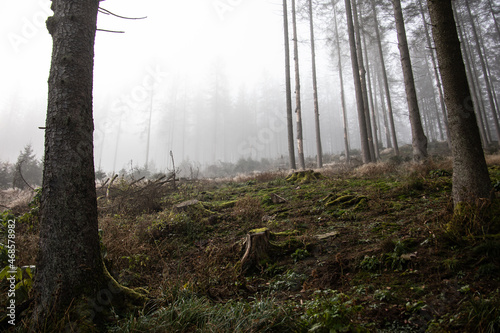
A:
(70, 271)
(470, 174)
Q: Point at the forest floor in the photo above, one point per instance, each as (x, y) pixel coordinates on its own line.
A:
(364, 249)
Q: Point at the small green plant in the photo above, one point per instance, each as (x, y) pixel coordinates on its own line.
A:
(451, 264)
(300, 254)
(383, 295)
(396, 260)
(137, 261)
(439, 173)
(290, 281)
(331, 311)
(370, 263)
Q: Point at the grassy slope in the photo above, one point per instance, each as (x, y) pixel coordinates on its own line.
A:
(361, 249)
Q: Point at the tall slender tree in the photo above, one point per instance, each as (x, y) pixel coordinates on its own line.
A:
(363, 131)
(386, 81)
(471, 180)
(298, 110)
(489, 88)
(342, 92)
(372, 105)
(434, 65)
(319, 149)
(70, 270)
(288, 80)
(474, 85)
(419, 140)
(362, 76)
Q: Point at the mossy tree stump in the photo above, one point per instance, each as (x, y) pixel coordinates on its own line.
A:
(257, 249)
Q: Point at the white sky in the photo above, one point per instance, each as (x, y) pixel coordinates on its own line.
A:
(186, 36)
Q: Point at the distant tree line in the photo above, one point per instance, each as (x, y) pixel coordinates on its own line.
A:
(25, 173)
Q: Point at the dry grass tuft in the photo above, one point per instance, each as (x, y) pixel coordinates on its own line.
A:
(493, 159)
(29, 244)
(374, 169)
(248, 210)
(16, 200)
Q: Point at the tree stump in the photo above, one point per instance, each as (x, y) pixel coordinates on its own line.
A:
(257, 249)
(184, 206)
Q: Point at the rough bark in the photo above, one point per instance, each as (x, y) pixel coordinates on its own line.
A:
(363, 132)
(419, 140)
(288, 80)
(386, 82)
(298, 110)
(471, 180)
(319, 149)
(70, 270)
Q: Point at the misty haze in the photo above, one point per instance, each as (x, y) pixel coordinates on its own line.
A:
(249, 166)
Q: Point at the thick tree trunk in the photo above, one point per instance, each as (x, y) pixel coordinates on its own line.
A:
(342, 92)
(319, 149)
(298, 107)
(386, 82)
(69, 263)
(419, 140)
(70, 269)
(363, 132)
(289, 117)
(471, 180)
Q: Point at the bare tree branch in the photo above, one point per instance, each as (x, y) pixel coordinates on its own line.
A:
(107, 12)
(21, 175)
(112, 31)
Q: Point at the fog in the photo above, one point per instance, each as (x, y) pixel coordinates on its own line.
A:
(201, 78)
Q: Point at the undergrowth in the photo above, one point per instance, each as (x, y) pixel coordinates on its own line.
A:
(377, 248)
